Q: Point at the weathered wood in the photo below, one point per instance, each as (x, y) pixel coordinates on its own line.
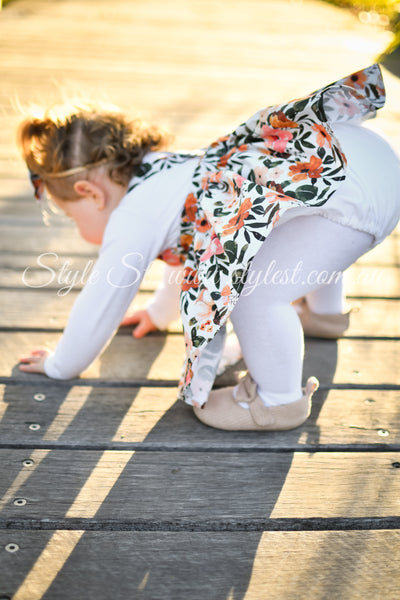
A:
(129, 60)
(32, 308)
(37, 239)
(160, 356)
(110, 417)
(54, 272)
(386, 253)
(213, 485)
(212, 565)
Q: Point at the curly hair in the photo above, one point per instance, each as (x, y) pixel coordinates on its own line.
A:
(79, 139)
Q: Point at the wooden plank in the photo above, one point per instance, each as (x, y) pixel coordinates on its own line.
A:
(386, 253)
(197, 565)
(51, 272)
(37, 239)
(154, 418)
(363, 280)
(199, 486)
(48, 308)
(212, 565)
(159, 356)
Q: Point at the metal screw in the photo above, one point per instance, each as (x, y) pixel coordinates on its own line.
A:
(369, 400)
(383, 432)
(34, 426)
(39, 397)
(28, 462)
(20, 502)
(11, 548)
(396, 465)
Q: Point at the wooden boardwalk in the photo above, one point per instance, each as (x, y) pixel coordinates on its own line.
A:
(109, 487)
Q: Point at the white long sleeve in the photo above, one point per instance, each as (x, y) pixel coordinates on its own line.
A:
(144, 224)
(163, 307)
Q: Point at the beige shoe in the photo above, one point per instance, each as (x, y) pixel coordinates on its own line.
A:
(222, 409)
(321, 326)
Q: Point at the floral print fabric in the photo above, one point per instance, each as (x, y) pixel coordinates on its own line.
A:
(283, 156)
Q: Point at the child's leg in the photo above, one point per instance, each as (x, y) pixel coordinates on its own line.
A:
(328, 299)
(292, 262)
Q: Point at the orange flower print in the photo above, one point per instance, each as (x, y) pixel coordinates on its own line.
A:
(170, 257)
(190, 207)
(279, 119)
(276, 139)
(357, 80)
(304, 170)
(185, 241)
(207, 326)
(215, 247)
(210, 177)
(323, 136)
(225, 293)
(223, 161)
(190, 279)
(202, 225)
(219, 141)
(188, 376)
(238, 221)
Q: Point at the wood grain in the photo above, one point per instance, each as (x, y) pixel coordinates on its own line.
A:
(212, 565)
(77, 416)
(221, 486)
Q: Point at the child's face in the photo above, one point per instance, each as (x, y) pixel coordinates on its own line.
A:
(90, 221)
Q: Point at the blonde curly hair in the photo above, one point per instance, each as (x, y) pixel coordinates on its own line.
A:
(62, 144)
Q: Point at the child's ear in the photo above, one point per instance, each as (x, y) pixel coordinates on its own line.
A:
(90, 190)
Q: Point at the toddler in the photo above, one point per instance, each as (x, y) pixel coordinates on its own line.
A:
(261, 224)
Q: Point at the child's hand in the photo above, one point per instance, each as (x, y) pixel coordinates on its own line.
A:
(141, 319)
(34, 363)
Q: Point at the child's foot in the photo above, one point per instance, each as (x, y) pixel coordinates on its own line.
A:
(223, 410)
(321, 326)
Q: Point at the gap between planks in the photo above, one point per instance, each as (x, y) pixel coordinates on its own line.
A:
(207, 448)
(169, 383)
(281, 524)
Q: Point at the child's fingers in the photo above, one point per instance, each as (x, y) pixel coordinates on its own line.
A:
(34, 356)
(132, 319)
(144, 327)
(141, 330)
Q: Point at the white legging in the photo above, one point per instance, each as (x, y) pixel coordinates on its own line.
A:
(303, 257)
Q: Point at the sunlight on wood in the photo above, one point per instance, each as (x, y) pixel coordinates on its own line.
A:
(144, 413)
(37, 456)
(67, 412)
(168, 363)
(48, 565)
(99, 484)
(348, 486)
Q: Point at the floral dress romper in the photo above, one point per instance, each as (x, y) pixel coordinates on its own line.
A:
(284, 156)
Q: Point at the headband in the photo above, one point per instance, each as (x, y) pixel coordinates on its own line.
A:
(38, 183)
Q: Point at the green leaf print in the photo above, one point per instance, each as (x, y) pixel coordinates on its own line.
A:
(306, 192)
(230, 248)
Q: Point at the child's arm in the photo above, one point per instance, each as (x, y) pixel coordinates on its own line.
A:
(97, 312)
(163, 307)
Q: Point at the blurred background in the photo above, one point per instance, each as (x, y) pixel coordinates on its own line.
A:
(197, 67)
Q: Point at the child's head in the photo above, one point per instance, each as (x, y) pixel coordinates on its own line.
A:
(63, 146)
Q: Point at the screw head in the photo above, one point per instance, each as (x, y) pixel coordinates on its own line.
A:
(12, 547)
(383, 432)
(19, 502)
(39, 397)
(28, 462)
(34, 426)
